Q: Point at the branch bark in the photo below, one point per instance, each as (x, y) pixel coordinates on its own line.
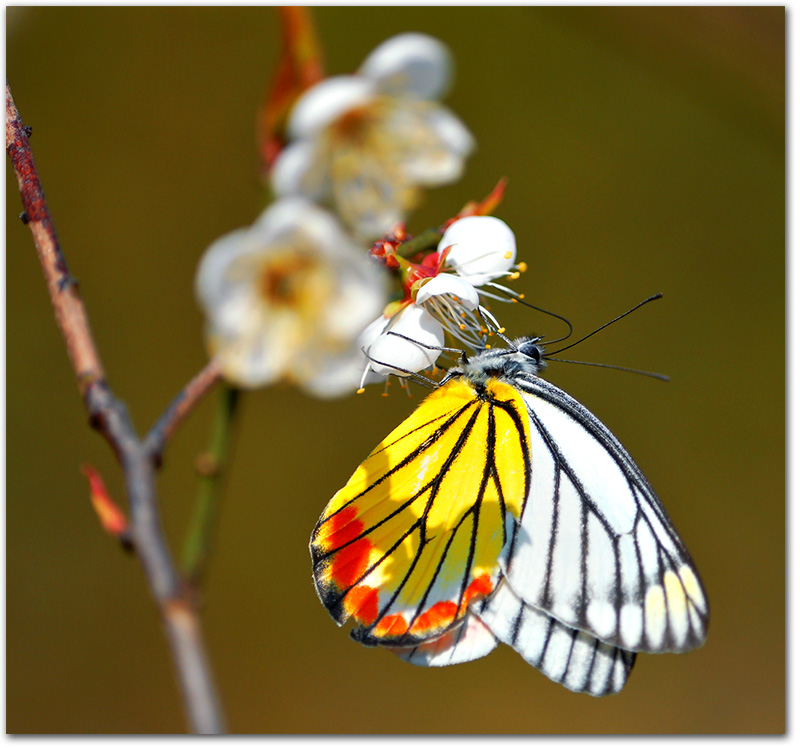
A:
(181, 406)
(137, 457)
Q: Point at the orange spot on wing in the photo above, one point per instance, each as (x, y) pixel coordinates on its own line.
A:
(480, 587)
(362, 604)
(349, 564)
(341, 528)
(436, 617)
(391, 625)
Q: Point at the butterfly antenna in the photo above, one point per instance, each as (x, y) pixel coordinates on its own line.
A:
(655, 375)
(619, 317)
(518, 298)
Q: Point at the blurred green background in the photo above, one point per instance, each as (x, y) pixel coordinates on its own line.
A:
(645, 152)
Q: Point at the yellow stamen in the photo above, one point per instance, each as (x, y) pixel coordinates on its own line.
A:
(360, 391)
(522, 267)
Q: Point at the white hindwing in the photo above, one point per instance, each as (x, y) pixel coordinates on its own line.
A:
(594, 546)
(468, 641)
(568, 656)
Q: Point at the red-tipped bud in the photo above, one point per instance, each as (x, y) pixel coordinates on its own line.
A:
(111, 517)
(299, 67)
(484, 207)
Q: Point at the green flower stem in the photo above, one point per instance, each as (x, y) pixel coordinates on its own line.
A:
(425, 241)
(211, 466)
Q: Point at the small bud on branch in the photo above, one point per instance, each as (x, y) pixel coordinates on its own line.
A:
(111, 517)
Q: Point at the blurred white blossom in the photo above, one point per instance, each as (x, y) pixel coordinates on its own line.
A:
(287, 298)
(366, 143)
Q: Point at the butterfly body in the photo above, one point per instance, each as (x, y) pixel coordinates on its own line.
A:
(524, 358)
(502, 510)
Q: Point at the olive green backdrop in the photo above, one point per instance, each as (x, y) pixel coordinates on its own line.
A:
(645, 152)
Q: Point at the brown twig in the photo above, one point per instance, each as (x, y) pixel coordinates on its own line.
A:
(110, 417)
(183, 405)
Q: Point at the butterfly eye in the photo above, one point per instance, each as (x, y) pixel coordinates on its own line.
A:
(532, 350)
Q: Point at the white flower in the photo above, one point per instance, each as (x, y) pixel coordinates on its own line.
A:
(444, 287)
(413, 339)
(366, 143)
(408, 342)
(287, 298)
(473, 252)
(482, 248)
(455, 305)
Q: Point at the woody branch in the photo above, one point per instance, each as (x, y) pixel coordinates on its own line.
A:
(137, 457)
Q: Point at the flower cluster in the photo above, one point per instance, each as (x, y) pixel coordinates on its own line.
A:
(364, 144)
(442, 295)
(297, 296)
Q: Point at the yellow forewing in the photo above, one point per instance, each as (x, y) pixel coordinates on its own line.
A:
(418, 531)
(435, 410)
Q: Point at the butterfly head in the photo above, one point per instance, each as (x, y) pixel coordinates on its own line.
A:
(524, 356)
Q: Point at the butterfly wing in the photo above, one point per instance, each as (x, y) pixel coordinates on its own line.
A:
(594, 547)
(419, 530)
(468, 641)
(568, 656)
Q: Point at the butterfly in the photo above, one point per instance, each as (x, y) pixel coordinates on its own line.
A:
(503, 511)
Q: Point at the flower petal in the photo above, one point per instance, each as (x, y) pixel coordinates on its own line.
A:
(296, 219)
(431, 143)
(451, 131)
(446, 283)
(482, 248)
(296, 171)
(256, 356)
(287, 298)
(370, 334)
(362, 291)
(371, 194)
(339, 376)
(391, 354)
(211, 282)
(410, 65)
(438, 157)
(320, 105)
